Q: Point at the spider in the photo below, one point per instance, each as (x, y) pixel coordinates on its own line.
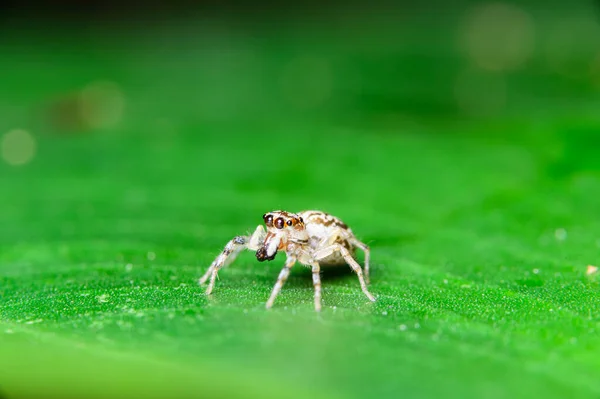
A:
(313, 238)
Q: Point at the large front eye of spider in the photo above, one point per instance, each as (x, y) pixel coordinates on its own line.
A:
(279, 223)
(268, 219)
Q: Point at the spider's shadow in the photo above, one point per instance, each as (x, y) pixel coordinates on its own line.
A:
(328, 273)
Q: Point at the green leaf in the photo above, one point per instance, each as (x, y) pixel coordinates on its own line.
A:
(481, 226)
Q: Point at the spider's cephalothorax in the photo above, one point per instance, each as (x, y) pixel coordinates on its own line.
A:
(283, 229)
(313, 238)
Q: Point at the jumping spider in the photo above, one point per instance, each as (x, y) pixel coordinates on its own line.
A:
(313, 238)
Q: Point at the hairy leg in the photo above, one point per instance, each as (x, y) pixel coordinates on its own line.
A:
(323, 253)
(229, 253)
(283, 275)
(316, 270)
(365, 248)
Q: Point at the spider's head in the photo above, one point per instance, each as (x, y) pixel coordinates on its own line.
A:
(282, 221)
(281, 226)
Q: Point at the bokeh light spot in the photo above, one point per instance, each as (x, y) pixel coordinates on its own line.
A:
(307, 81)
(480, 93)
(102, 104)
(498, 36)
(18, 147)
(568, 47)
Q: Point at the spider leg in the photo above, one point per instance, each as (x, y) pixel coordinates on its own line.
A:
(230, 252)
(283, 275)
(365, 248)
(316, 270)
(352, 240)
(325, 252)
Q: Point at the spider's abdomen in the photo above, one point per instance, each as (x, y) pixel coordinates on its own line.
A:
(324, 230)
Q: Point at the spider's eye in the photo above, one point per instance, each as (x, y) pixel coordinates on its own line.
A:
(268, 219)
(289, 222)
(279, 223)
(301, 220)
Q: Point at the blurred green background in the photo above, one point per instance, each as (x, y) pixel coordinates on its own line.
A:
(460, 141)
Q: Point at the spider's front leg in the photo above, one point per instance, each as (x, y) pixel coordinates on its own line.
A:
(230, 252)
(283, 275)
